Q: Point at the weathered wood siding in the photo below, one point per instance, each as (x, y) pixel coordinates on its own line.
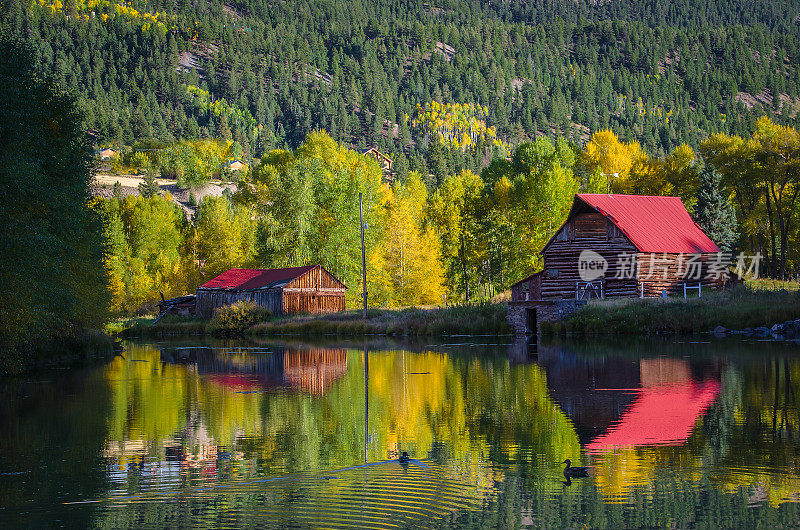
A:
(208, 300)
(316, 291)
(586, 231)
(528, 289)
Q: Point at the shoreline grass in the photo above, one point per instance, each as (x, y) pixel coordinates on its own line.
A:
(79, 348)
(477, 319)
(737, 308)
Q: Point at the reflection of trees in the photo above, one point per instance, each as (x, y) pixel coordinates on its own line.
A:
(465, 408)
(756, 428)
(51, 429)
(469, 408)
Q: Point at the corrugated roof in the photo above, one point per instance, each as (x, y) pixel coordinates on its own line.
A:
(254, 278)
(653, 224)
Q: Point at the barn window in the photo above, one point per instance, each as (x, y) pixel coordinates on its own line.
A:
(526, 290)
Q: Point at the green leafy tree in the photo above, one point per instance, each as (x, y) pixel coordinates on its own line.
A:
(54, 281)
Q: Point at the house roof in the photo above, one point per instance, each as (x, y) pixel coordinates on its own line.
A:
(375, 150)
(243, 279)
(652, 224)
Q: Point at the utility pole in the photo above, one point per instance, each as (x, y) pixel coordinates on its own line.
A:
(363, 255)
(366, 404)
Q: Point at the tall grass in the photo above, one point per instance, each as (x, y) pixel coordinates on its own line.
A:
(734, 309)
(467, 319)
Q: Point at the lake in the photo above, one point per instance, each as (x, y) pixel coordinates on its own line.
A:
(676, 432)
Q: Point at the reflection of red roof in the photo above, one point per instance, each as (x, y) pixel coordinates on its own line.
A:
(254, 278)
(663, 415)
(653, 224)
(236, 381)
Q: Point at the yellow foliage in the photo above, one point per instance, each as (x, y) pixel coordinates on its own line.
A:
(406, 267)
(605, 154)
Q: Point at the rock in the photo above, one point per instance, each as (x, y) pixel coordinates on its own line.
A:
(791, 329)
(720, 330)
(777, 328)
(761, 331)
(748, 331)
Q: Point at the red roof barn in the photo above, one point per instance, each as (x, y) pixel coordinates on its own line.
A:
(309, 289)
(623, 245)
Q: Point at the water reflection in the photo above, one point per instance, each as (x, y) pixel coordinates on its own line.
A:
(278, 434)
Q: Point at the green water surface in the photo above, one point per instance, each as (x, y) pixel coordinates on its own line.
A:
(676, 433)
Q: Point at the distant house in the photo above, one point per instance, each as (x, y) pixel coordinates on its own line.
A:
(108, 154)
(236, 165)
(309, 289)
(384, 161)
(617, 246)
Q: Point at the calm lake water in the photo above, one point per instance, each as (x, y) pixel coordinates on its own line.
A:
(192, 433)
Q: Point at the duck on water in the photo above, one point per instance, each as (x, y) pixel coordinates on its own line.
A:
(574, 472)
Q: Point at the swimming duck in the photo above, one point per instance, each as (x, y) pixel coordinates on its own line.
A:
(404, 458)
(574, 472)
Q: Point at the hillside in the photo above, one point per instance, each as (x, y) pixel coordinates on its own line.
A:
(267, 73)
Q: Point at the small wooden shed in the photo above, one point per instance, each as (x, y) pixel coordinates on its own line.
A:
(309, 289)
(624, 245)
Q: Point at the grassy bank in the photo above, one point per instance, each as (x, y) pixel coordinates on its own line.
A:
(454, 320)
(734, 309)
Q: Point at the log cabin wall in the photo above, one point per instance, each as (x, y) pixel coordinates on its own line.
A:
(528, 289)
(667, 272)
(586, 231)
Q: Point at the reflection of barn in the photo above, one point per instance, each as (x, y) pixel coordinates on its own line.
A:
(309, 289)
(614, 246)
(574, 380)
(311, 370)
(619, 401)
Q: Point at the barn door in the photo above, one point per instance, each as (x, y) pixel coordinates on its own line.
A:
(530, 321)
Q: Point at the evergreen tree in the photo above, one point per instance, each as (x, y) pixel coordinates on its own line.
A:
(149, 186)
(714, 212)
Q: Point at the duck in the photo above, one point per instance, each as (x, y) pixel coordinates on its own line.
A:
(404, 458)
(574, 472)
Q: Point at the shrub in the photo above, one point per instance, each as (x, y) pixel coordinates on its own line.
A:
(235, 319)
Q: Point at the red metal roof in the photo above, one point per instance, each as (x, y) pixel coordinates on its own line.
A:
(653, 224)
(254, 278)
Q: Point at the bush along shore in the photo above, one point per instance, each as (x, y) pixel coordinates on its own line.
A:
(737, 308)
(245, 319)
(75, 349)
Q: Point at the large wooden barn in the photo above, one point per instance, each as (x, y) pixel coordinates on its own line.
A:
(622, 246)
(309, 289)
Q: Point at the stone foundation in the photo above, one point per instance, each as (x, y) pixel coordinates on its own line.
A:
(545, 311)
